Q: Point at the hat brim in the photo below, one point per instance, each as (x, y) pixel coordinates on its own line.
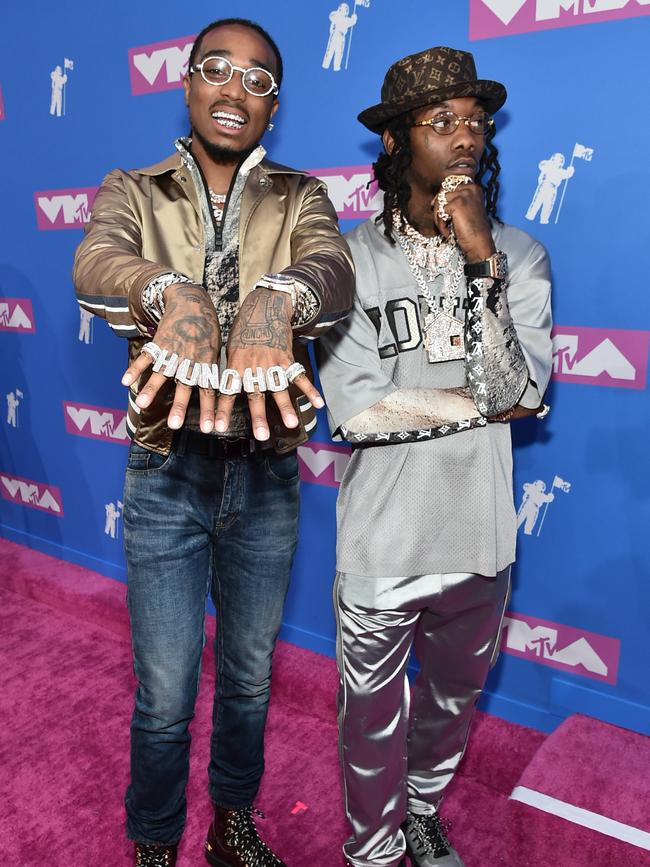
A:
(492, 93)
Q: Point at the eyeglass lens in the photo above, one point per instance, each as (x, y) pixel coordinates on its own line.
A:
(446, 122)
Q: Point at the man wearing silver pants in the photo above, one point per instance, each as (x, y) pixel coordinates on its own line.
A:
(456, 644)
(449, 340)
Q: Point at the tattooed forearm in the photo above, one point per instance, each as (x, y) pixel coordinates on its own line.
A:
(263, 320)
(185, 296)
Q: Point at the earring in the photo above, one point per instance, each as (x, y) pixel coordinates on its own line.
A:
(269, 126)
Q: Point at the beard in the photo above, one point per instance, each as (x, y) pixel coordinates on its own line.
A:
(220, 154)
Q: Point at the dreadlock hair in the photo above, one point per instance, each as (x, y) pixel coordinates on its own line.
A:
(242, 22)
(390, 173)
(491, 167)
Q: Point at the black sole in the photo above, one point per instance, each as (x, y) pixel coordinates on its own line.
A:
(215, 861)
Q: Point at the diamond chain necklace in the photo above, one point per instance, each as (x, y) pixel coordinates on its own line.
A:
(443, 333)
(434, 256)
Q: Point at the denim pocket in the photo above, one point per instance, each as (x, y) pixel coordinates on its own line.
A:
(282, 468)
(143, 460)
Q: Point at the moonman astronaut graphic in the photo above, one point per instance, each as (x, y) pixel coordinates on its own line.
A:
(340, 22)
(59, 79)
(551, 174)
(112, 516)
(12, 404)
(85, 319)
(534, 498)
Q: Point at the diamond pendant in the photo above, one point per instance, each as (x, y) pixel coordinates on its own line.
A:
(441, 257)
(443, 337)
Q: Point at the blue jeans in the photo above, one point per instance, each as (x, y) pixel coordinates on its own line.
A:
(194, 524)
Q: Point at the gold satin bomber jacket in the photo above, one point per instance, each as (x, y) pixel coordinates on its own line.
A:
(147, 222)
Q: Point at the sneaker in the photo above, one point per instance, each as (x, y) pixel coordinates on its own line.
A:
(155, 856)
(427, 844)
(233, 841)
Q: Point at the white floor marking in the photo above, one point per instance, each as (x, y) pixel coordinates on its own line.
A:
(579, 816)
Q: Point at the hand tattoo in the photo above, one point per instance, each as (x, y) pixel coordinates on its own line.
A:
(262, 321)
(190, 324)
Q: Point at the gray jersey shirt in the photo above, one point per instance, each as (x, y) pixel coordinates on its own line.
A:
(442, 505)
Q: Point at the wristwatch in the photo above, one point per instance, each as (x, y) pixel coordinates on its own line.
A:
(496, 266)
(279, 282)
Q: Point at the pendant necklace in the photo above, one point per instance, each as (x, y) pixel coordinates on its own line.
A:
(429, 258)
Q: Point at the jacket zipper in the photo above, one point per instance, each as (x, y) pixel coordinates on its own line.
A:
(218, 225)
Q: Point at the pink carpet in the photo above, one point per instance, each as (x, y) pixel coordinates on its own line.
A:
(65, 703)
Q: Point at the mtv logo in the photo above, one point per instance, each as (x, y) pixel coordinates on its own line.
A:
(601, 356)
(489, 18)
(96, 422)
(25, 492)
(563, 647)
(505, 10)
(323, 463)
(64, 209)
(353, 191)
(16, 314)
(160, 66)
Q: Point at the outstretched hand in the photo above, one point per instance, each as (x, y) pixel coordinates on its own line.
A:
(261, 336)
(190, 328)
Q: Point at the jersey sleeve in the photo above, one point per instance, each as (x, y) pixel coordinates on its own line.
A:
(529, 298)
(348, 356)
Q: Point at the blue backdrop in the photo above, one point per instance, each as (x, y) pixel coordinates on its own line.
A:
(86, 88)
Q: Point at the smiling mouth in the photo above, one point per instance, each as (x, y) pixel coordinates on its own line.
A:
(229, 120)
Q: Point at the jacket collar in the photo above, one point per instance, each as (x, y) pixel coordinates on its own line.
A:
(174, 162)
(170, 164)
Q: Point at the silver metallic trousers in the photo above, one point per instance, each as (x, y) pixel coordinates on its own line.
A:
(393, 760)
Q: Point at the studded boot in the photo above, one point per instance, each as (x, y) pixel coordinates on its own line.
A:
(427, 844)
(155, 856)
(233, 841)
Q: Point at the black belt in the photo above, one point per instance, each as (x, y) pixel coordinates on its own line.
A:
(210, 446)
